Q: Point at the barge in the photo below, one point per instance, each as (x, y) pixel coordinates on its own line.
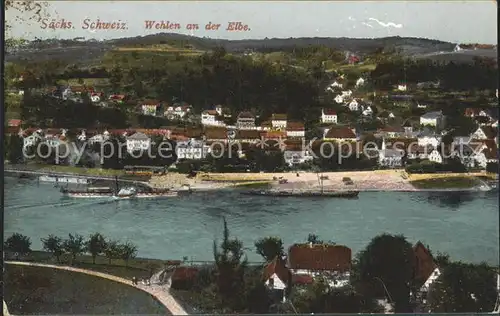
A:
(330, 194)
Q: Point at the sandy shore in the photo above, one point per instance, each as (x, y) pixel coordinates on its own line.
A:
(378, 180)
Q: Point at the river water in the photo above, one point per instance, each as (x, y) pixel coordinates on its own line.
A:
(465, 225)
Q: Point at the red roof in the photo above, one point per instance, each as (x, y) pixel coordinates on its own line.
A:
(472, 111)
(117, 97)
(150, 102)
(279, 117)
(342, 132)
(210, 112)
(329, 112)
(424, 261)
(277, 266)
(274, 135)
(320, 257)
(295, 126)
(15, 123)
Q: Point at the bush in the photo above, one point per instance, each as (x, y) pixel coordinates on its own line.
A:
(492, 167)
(433, 167)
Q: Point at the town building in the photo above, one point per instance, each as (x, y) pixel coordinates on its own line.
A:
(435, 118)
(138, 142)
(328, 116)
(245, 120)
(279, 121)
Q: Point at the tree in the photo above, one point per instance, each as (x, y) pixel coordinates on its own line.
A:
(464, 288)
(269, 248)
(127, 251)
(314, 239)
(386, 268)
(19, 244)
(75, 245)
(230, 268)
(96, 245)
(53, 244)
(112, 250)
(33, 8)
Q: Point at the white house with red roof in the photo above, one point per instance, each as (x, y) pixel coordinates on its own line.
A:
(328, 116)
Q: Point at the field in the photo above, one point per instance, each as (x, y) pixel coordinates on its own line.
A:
(165, 48)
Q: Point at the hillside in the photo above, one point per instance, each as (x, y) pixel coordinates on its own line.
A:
(81, 51)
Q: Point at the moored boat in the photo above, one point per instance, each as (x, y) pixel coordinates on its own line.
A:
(329, 194)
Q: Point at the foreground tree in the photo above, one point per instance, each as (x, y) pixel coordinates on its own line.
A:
(96, 245)
(464, 288)
(54, 245)
(127, 251)
(75, 245)
(269, 248)
(19, 244)
(386, 268)
(112, 250)
(318, 297)
(230, 269)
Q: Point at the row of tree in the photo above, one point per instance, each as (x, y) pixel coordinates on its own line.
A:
(75, 245)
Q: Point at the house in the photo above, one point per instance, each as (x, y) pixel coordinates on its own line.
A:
(485, 132)
(353, 105)
(360, 82)
(99, 138)
(14, 123)
(278, 121)
(367, 111)
(210, 117)
(119, 98)
(426, 271)
(245, 120)
(328, 116)
(178, 111)
(421, 106)
(95, 97)
(336, 84)
(295, 153)
(346, 94)
(435, 156)
(295, 129)
(150, 107)
(415, 151)
(138, 142)
(32, 139)
(457, 48)
(191, 149)
(428, 137)
(435, 118)
(385, 116)
(353, 59)
(339, 99)
(401, 87)
(277, 278)
(391, 131)
(340, 134)
(333, 262)
(223, 111)
(486, 152)
(472, 112)
(392, 158)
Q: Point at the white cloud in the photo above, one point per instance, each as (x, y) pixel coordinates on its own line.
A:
(366, 24)
(351, 18)
(388, 24)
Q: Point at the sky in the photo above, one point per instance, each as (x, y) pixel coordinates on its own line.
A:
(452, 21)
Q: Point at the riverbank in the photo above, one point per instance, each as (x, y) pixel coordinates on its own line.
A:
(376, 180)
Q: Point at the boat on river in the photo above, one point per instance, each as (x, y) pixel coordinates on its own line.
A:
(279, 193)
(63, 179)
(117, 193)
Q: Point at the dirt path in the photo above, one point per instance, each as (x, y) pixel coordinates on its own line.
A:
(161, 293)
